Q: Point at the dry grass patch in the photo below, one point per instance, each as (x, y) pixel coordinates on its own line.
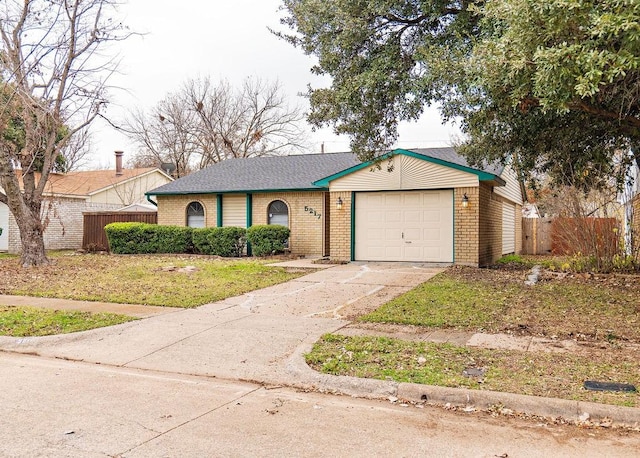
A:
(175, 281)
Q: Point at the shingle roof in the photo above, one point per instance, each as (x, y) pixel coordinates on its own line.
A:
(271, 173)
(261, 174)
(85, 183)
(450, 155)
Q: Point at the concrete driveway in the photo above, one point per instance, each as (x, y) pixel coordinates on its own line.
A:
(259, 336)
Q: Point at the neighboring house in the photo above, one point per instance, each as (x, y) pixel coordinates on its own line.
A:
(423, 205)
(4, 225)
(68, 195)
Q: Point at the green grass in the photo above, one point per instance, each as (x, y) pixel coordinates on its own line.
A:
(443, 302)
(559, 375)
(27, 321)
(140, 279)
(497, 302)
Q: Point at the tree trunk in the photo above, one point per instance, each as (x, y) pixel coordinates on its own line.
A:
(32, 239)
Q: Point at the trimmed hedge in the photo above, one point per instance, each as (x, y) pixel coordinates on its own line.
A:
(141, 238)
(220, 241)
(267, 239)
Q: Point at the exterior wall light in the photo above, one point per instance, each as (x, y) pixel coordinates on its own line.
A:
(465, 201)
(339, 203)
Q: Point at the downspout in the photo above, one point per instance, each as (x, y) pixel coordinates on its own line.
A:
(150, 200)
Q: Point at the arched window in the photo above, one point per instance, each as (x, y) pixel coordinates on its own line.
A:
(195, 215)
(278, 213)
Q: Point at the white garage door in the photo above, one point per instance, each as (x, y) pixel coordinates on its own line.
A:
(412, 226)
(4, 224)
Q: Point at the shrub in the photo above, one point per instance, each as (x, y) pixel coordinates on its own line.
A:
(142, 238)
(267, 239)
(220, 241)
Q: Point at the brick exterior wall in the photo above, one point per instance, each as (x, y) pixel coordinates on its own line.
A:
(466, 227)
(306, 228)
(172, 210)
(63, 223)
(307, 235)
(489, 226)
(340, 226)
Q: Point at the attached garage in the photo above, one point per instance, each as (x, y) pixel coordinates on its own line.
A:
(414, 226)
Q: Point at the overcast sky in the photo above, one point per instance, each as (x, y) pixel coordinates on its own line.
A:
(221, 40)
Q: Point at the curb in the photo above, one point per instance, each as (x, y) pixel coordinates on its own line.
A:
(574, 411)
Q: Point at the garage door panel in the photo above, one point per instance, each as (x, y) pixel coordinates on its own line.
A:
(432, 235)
(393, 217)
(424, 217)
(375, 217)
(432, 217)
(392, 235)
(392, 200)
(412, 200)
(413, 216)
(413, 234)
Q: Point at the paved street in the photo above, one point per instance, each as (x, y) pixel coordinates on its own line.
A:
(55, 408)
(177, 384)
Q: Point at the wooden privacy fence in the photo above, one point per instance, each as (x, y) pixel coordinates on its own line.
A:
(587, 236)
(93, 236)
(536, 235)
(560, 236)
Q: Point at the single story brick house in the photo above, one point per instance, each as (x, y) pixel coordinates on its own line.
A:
(420, 205)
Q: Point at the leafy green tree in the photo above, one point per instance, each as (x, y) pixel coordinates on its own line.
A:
(385, 59)
(554, 82)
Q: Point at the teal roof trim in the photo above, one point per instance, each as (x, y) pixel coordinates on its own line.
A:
(482, 176)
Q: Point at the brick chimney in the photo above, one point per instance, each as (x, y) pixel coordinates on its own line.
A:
(119, 163)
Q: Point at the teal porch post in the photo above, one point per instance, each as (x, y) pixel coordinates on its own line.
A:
(249, 218)
(219, 210)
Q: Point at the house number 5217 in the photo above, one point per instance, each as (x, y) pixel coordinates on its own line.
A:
(312, 211)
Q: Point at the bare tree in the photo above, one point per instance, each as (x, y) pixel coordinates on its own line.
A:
(52, 86)
(203, 124)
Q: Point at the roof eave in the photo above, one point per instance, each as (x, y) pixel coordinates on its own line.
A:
(242, 191)
(482, 175)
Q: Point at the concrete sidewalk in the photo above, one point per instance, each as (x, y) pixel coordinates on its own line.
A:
(262, 337)
(249, 337)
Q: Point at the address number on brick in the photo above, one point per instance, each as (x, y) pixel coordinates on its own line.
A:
(312, 211)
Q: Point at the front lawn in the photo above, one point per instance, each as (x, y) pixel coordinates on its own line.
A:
(27, 321)
(602, 312)
(175, 281)
(559, 375)
(563, 306)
